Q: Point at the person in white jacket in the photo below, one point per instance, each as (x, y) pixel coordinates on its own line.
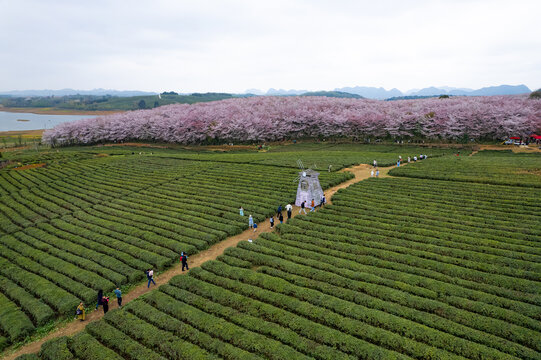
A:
(289, 208)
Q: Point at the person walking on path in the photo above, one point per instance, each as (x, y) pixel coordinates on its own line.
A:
(289, 208)
(272, 221)
(255, 227)
(80, 312)
(375, 163)
(100, 297)
(372, 173)
(150, 277)
(250, 221)
(105, 303)
(409, 159)
(118, 294)
(241, 211)
(184, 260)
(398, 163)
(303, 204)
(377, 173)
(323, 200)
(313, 205)
(281, 218)
(279, 211)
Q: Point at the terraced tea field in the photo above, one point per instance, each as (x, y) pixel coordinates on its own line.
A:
(488, 167)
(71, 229)
(402, 267)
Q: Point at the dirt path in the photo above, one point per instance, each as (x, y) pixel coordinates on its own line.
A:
(361, 172)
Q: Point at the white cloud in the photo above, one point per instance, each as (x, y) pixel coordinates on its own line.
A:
(236, 45)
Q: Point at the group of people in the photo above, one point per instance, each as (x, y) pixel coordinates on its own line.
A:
(375, 171)
(415, 158)
(279, 212)
(103, 300)
(313, 205)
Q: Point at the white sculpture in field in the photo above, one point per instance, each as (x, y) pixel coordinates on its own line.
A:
(309, 187)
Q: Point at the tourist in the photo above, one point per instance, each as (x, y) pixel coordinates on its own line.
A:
(272, 221)
(289, 208)
(313, 206)
(279, 211)
(409, 159)
(118, 294)
(255, 227)
(150, 277)
(372, 173)
(375, 163)
(323, 201)
(241, 211)
(100, 296)
(281, 218)
(250, 221)
(398, 163)
(303, 204)
(105, 303)
(414, 158)
(377, 173)
(80, 312)
(184, 260)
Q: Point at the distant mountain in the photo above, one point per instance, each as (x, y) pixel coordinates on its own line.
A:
(486, 91)
(274, 92)
(65, 92)
(336, 94)
(450, 88)
(254, 92)
(501, 90)
(371, 92)
(429, 91)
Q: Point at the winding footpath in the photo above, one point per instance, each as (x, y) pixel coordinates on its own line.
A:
(361, 172)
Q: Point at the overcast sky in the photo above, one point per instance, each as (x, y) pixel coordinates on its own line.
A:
(232, 46)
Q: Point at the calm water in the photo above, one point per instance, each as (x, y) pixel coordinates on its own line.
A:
(9, 121)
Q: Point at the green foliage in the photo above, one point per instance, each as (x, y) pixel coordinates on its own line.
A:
(107, 102)
(407, 267)
(56, 349)
(97, 222)
(487, 167)
(13, 322)
(28, 357)
(535, 94)
(85, 347)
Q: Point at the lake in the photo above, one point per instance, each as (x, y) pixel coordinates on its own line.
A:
(10, 121)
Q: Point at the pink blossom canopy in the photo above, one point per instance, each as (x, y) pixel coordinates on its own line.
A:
(279, 118)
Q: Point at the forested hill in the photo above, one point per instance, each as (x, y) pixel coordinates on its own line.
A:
(108, 102)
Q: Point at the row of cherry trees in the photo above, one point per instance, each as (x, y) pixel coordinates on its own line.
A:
(278, 118)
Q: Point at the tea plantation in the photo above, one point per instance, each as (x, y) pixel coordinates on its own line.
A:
(441, 262)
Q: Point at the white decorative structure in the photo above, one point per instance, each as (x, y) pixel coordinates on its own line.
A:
(309, 188)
